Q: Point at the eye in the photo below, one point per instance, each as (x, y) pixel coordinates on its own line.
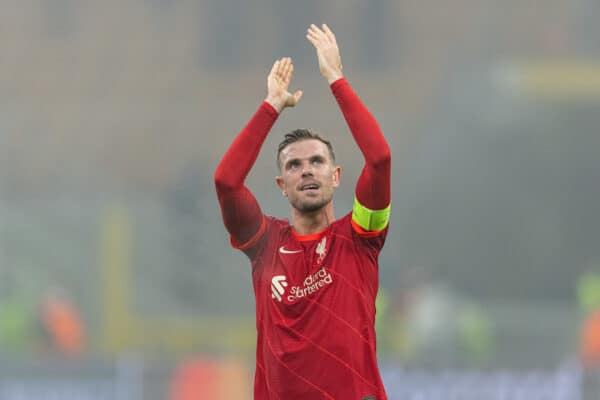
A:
(293, 164)
(317, 161)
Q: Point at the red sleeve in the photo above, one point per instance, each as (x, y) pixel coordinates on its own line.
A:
(241, 213)
(373, 186)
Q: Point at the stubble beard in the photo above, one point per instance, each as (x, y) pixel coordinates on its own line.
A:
(308, 207)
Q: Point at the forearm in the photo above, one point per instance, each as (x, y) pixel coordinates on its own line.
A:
(277, 103)
(362, 124)
(243, 152)
(241, 213)
(373, 187)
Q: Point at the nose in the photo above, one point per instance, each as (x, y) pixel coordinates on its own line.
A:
(307, 169)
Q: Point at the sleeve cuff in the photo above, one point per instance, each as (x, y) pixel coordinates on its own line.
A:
(335, 85)
(270, 109)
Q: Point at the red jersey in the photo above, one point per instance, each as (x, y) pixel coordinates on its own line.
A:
(315, 312)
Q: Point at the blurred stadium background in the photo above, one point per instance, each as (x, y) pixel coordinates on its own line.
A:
(116, 277)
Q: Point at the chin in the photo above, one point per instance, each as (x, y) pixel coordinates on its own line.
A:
(310, 206)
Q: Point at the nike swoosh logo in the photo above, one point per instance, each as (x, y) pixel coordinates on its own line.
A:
(284, 251)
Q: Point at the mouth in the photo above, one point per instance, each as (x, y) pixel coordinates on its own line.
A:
(309, 187)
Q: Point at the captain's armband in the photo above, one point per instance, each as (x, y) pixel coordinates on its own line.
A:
(370, 220)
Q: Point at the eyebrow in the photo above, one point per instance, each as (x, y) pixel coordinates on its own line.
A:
(291, 161)
(317, 157)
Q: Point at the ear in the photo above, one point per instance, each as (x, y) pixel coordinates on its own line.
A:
(279, 181)
(337, 176)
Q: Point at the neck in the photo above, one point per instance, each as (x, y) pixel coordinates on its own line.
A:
(307, 223)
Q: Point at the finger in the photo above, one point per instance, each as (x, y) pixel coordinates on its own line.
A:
(329, 33)
(287, 71)
(289, 67)
(318, 33)
(281, 66)
(275, 67)
(312, 39)
(315, 36)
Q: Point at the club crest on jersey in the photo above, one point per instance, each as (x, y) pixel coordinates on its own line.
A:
(321, 249)
(310, 285)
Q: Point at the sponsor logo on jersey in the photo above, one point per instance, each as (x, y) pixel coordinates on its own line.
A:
(278, 285)
(283, 250)
(310, 285)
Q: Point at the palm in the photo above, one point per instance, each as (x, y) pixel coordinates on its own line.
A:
(278, 83)
(328, 53)
(278, 87)
(329, 59)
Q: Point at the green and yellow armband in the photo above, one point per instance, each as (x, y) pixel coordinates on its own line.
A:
(370, 220)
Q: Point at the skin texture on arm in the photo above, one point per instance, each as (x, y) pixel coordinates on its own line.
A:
(373, 186)
(328, 53)
(241, 212)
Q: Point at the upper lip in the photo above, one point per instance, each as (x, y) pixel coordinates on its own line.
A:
(306, 184)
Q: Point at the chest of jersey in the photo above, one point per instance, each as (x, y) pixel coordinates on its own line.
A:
(297, 274)
(300, 270)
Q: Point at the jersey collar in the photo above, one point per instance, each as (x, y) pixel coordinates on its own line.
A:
(306, 238)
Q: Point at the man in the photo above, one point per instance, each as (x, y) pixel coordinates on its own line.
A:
(315, 280)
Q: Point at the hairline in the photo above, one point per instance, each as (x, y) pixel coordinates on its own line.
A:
(325, 142)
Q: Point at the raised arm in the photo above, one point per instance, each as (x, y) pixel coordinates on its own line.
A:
(241, 213)
(372, 202)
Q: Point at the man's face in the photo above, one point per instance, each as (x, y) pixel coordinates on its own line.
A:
(308, 175)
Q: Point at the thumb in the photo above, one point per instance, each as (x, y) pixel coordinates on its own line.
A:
(298, 96)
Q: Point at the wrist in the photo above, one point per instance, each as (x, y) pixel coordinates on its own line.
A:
(334, 77)
(277, 103)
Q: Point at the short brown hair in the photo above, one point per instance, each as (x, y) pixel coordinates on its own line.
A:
(298, 135)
